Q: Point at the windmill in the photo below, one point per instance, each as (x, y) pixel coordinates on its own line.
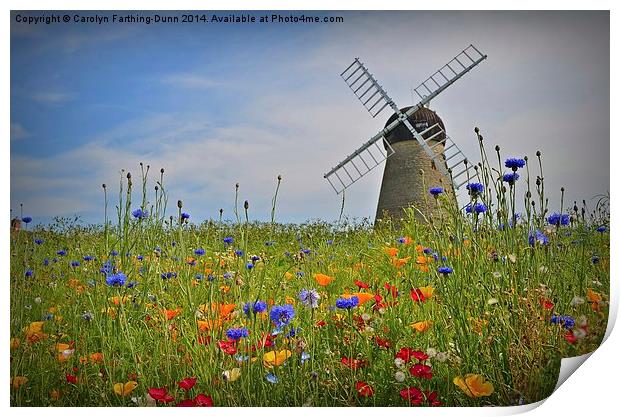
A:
(413, 140)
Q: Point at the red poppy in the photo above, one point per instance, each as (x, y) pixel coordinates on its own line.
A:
(320, 323)
(413, 395)
(421, 371)
(361, 284)
(384, 343)
(160, 394)
(407, 353)
(71, 379)
(570, 337)
(353, 363)
(391, 289)
(187, 383)
(187, 403)
(417, 295)
(202, 400)
(431, 398)
(363, 389)
(227, 346)
(546, 303)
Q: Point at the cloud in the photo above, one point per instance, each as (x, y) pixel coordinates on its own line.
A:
(51, 97)
(191, 81)
(18, 131)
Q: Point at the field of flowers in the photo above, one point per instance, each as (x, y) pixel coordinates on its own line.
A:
(474, 307)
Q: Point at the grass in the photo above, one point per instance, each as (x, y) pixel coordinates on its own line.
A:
(490, 316)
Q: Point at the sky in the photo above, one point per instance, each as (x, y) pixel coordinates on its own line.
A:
(220, 104)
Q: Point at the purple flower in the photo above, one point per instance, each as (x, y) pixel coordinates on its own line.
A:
(282, 315)
(309, 298)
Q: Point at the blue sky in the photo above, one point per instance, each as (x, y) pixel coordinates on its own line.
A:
(217, 104)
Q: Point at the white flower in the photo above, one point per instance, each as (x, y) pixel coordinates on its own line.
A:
(399, 376)
(365, 316)
(579, 333)
(37, 300)
(577, 301)
(497, 274)
(399, 362)
(431, 352)
(442, 356)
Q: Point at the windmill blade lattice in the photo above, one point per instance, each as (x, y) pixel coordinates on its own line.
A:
(375, 99)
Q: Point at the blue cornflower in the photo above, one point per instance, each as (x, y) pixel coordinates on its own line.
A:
(28, 273)
(538, 237)
(330, 241)
(282, 315)
(306, 251)
(199, 252)
(595, 259)
(106, 268)
(168, 275)
(304, 356)
(87, 316)
(116, 280)
(140, 214)
(255, 258)
(139, 257)
(601, 229)
(236, 334)
(46, 262)
(132, 284)
(75, 264)
(401, 240)
(38, 241)
(228, 240)
(249, 265)
(568, 322)
(475, 188)
(239, 252)
(292, 332)
(61, 252)
(559, 219)
(511, 178)
(478, 208)
(299, 274)
(309, 298)
(184, 216)
(88, 258)
(427, 251)
(435, 191)
(514, 163)
(210, 277)
(198, 277)
(114, 253)
(268, 243)
(445, 270)
(347, 302)
(48, 317)
(271, 378)
(227, 275)
(27, 219)
(257, 307)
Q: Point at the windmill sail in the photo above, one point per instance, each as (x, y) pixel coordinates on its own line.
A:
(375, 99)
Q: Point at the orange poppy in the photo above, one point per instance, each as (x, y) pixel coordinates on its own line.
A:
(393, 252)
(323, 279)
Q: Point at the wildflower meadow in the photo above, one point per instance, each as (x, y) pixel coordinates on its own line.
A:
(474, 306)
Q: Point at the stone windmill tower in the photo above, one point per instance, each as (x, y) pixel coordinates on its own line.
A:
(413, 139)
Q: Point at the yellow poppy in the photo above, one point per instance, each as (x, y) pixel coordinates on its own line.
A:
(15, 342)
(34, 332)
(323, 279)
(274, 358)
(427, 291)
(125, 389)
(288, 275)
(232, 375)
(474, 385)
